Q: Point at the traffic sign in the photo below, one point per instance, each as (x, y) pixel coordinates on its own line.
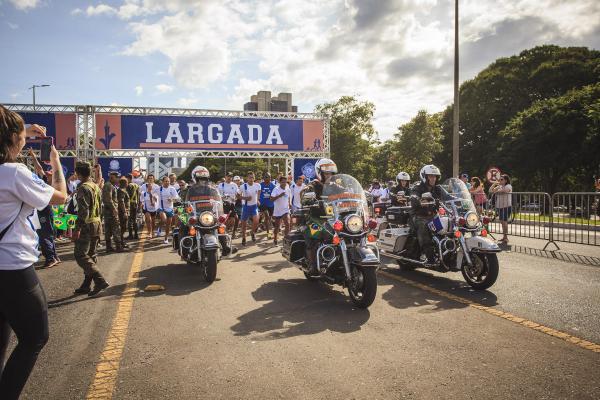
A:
(493, 174)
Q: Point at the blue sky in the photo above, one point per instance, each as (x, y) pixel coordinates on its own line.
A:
(216, 53)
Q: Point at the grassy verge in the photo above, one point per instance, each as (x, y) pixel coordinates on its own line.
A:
(560, 220)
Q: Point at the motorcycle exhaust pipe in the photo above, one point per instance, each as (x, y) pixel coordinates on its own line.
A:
(400, 258)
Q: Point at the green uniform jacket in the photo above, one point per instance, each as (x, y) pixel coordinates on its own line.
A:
(133, 190)
(109, 198)
(88, 209)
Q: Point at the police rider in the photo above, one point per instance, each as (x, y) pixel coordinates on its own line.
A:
(200, 190)
(423, 207)
(400, 193)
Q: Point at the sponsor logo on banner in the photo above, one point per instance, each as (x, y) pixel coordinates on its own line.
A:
(114, 165)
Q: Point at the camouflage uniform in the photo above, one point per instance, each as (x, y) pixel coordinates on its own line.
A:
(123, 201)
(111, 216)
(133, 190)
(88, 224)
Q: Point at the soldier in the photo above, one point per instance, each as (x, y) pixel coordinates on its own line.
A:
(111, 214)
(86, 234)
(133, 190)
(123, 201)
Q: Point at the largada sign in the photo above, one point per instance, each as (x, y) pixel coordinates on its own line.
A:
(128, 132)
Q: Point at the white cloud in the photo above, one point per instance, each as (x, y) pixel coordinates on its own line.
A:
(25, 4)
(164, 88)
(188, 101)
(100, 9)
(139, 90)
(395, 53)
(12, 26)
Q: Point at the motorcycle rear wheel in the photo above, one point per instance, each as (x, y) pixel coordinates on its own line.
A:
(363, 288)
(484, 272)
(210, 268)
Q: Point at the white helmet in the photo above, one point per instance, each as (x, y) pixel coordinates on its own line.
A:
(402, 176)
(200, 172)
(325, 165)
(429, 170)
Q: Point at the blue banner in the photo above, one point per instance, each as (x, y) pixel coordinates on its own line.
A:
(123, 166)
(207, 133)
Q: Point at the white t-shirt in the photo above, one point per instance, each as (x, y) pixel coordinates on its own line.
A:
(228, 189)
(504, 197)
(166, 197)
(296, 201)
(139, 181)
(73, 185)
(251, 190)
(282, 204)
(18, 185)
(146, 198)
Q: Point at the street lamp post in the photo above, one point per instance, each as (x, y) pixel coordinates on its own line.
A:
(455, 135)
(33, 88)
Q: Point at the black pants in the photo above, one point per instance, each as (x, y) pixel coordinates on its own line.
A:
(23, 308)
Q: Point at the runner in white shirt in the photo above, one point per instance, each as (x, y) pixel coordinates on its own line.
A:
(167, 195)
(250, 192)
(23, 307)
(230, 192)
(296, 189)
(281, 197)
(149, 200)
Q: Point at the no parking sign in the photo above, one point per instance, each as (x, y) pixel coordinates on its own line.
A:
(493, 174)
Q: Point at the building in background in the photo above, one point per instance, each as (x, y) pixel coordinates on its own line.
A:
(262, 101)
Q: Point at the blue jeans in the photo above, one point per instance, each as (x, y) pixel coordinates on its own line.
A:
(46, 241)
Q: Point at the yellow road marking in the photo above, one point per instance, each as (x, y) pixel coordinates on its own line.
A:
(498, 313)
(108, 367)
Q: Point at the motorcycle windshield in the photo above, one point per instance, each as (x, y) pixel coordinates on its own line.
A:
(455, 192)
(345, 195)
(203, 198)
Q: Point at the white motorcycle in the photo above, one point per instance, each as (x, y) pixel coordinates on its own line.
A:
(459, 235)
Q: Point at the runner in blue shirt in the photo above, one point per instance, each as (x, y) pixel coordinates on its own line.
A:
(266, 204)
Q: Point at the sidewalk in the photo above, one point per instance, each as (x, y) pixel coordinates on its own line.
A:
(569, 252)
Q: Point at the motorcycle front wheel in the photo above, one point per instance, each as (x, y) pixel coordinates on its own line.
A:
(210, 268)
(484, 271)
(363, 286)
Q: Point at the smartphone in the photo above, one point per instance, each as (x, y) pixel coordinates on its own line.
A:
(45, 147)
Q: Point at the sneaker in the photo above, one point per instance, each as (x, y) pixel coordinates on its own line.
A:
(50, 264)
(253, 238)
(269, 235)
(166, 241)
(275, 242)
(243, 241)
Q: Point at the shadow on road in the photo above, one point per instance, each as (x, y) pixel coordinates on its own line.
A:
(397, 296)
(299, 307)
(178, 279)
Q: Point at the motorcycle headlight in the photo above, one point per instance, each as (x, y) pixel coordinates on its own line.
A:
(472, 219)
(207, 218)
(354, 223)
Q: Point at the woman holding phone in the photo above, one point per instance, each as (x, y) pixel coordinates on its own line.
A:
(23, 307)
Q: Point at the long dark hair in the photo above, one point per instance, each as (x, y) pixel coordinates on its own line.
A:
(11, 124)
(476, 182)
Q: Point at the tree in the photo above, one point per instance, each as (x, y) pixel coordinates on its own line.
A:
(417, 142)
(556, 138)
(352, 136)
(508, 86)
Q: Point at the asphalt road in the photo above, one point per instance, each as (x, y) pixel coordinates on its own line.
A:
(263, 331)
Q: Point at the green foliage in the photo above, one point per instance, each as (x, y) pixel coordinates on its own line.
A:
(218, 167)
(555, 139)
(352, 135)
(505, 88)
(416, 143)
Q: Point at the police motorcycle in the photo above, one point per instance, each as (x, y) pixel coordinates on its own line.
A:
(460, 238)
(339, 225)
(202, 240)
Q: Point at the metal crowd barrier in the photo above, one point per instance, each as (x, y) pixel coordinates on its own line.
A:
(563, 217)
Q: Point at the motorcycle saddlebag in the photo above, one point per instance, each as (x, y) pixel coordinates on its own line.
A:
(293, 246)
(397, 215)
